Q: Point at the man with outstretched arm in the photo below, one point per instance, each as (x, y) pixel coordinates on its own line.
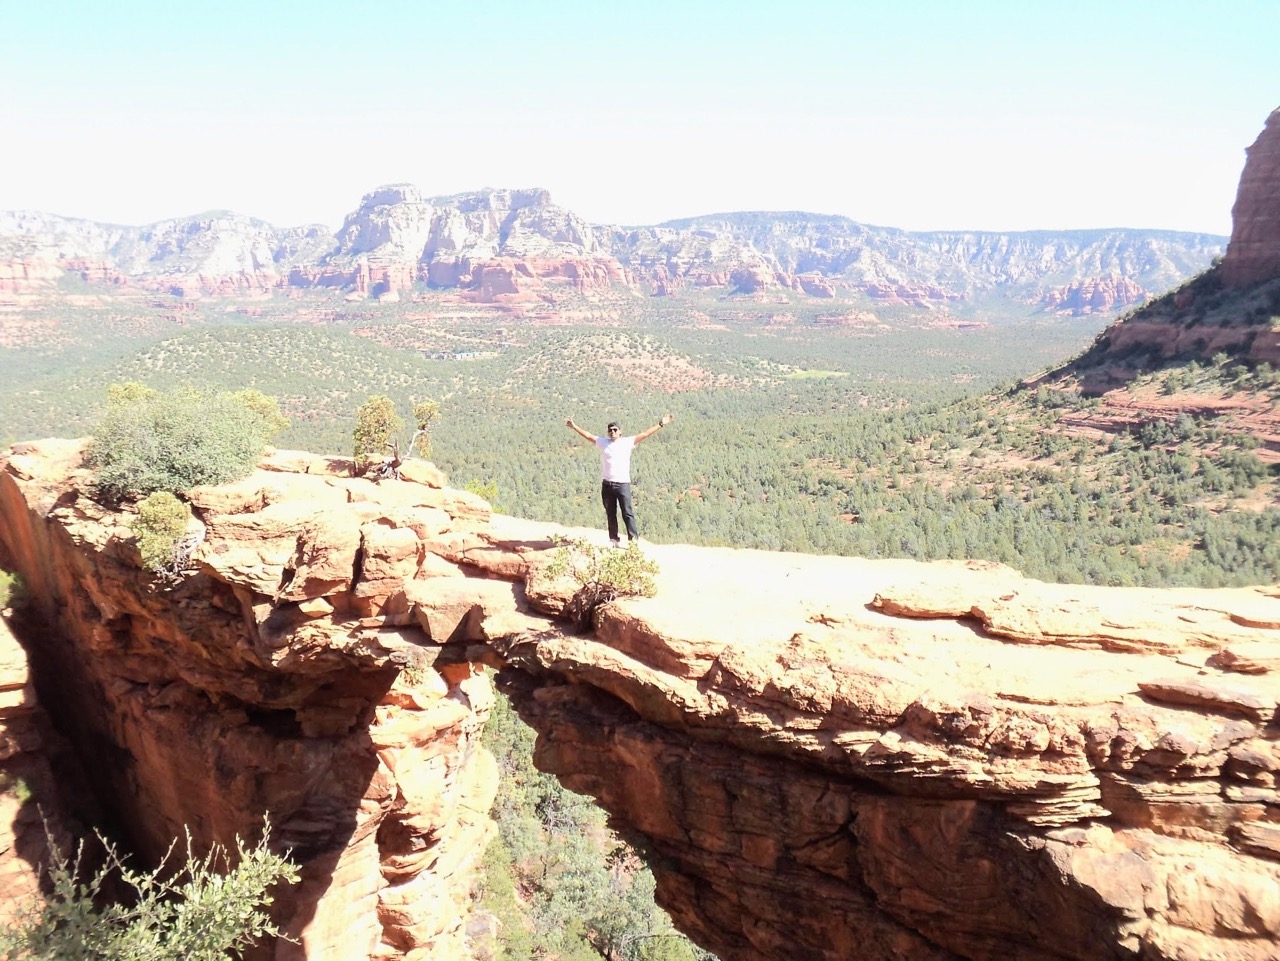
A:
(615, 472)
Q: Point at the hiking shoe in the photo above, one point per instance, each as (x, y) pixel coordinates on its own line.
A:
(615, 543)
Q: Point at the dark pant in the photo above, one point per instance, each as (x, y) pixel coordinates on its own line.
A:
(616, 494)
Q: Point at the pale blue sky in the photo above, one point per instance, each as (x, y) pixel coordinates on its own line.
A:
(905, 113)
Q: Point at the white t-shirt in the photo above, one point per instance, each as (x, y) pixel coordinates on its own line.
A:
(615, 458)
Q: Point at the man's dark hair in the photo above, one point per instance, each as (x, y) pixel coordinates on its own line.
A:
(612, 425)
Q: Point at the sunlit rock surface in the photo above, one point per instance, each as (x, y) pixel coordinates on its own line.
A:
(824, 758)
(263, 684)
(1253, 254)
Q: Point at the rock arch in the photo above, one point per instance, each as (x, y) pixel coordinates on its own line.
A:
(824, 757)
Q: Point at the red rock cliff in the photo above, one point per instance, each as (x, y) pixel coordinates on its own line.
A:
(826, 757)
(1253, 253)
(269, 680)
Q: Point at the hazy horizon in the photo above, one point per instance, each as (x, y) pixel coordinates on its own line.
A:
(930, 116)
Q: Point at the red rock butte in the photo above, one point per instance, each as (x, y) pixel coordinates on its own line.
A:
(825, 757)
(1253, 253)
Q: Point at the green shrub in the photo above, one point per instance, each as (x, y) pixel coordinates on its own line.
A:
(17, 786)
(601, 573)
(267, 409)
(377, 425)
(416, 667)
(1243, 469)
(488, 490)
(162, 520)
(11, 589)
(128, 392)
(198, 913)
(150, 441)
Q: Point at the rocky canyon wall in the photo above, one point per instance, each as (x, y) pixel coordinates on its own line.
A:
(823, 758)
(188, 709)
(1253, 253)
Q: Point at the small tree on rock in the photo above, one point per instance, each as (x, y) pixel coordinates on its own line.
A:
(377, 425)
(425, 412)
(266, 407)
(377, 435)
(602, 574)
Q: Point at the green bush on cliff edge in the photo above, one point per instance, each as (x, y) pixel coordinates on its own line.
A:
(172, 441)
(601, 574)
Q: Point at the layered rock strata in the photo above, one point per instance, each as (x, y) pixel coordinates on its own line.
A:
(1094, 295)
(272, 681)
(834, 758)
(823, 757)
(511, 246)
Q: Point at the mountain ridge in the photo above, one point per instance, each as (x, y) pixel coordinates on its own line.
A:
(499, 244)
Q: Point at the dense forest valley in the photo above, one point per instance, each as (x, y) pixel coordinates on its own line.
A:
(841, 427)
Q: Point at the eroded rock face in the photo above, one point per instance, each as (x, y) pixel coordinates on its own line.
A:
(1094, 295)
(27, 276)
(838, 758)
(1253, 254)
(29, 808)
(269, 680)
(825, 757)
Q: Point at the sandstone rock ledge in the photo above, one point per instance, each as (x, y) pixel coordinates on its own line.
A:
(825, 758)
